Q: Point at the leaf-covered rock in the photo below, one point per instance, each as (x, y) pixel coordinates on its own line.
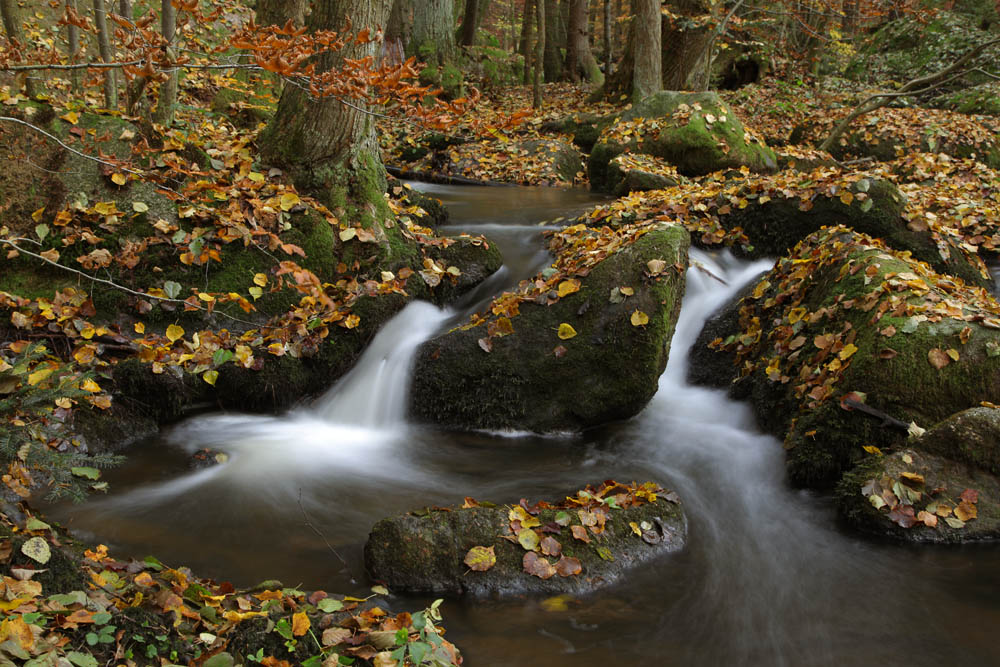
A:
(843, 314)
(698, 133)
(443, 550)
(520, 368)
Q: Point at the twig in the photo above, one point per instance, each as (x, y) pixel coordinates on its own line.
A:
(323, 537)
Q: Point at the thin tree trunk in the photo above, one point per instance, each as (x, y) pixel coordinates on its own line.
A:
(73, 41)
(470, 22)
(13, 27)
(125, 9)
(104, 45)
(552, 61)
(580, 61)
(164, 113)
(607, 39)
(536, 93)
(647, 77)
(527, 32)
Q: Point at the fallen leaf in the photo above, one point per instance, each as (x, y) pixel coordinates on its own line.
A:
(537, 566)
(639, 319)
(566, 331)
(480, 559)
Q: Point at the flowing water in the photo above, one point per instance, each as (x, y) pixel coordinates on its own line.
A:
(768, 577)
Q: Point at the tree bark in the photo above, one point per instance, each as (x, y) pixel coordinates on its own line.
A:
(279, 12)
(527, 33)
(647, 77)
(607, 39)
(470, 21)
(554, 39)
(536, 92)
(329, 147)
(73, 44)
(107, 55)
(434, 32)
(12, 26)
(125, 9)
(164, 113)
(580, 62)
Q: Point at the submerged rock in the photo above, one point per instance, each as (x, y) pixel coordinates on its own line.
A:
(844, 317)
(698, 133)
(586, 348)
(587, 541)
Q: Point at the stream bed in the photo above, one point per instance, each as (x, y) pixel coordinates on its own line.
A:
(768, 576)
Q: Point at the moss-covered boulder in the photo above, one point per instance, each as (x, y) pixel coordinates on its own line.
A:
(586, 348)
(585, 128)
(698, 133)
(914, 496)
(983, 99)
(774, 222)
(971, 436)
(587, 541)
(845, 317)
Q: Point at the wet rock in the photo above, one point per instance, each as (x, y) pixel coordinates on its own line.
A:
(914, 496)
(640, 173)
(585, 128)
(430, 552)
(532, 378)
(845, 317)
(698, 133)
(476, 258)
(971, 436)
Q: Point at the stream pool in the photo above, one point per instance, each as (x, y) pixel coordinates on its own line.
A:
(768, 576)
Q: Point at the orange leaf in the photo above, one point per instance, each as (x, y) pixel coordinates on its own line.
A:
(300, 624)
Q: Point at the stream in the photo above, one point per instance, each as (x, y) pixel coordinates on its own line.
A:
(768, 576)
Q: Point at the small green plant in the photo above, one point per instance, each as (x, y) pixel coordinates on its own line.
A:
(103, 632)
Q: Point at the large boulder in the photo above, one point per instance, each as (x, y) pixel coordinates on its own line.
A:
(845, 320)
(698, 133)
(587, 541)
(582, 345)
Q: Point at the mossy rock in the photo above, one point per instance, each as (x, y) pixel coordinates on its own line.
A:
(929, 483)
(971, 436)
(533, 380)
(585, 128)
(425, 553)
(477, 258)
(699, 138)
(912, 362)
(640, 173)
(983, 99)
(776, 226)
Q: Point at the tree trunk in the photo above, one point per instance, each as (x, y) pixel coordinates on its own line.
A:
(647, 77)
(470, 21)
(13, 27)
(527, 32)
(279, 12)
(607, 39)
(580, 61)
(326, 146)
(125, 9)
(104, 45)
(434, 32)
(167, 101)
(553, 62)
(73, 43)
(536, 93)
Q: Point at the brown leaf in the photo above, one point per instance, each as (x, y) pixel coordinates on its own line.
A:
(966, 511)
(580, 533)
(537, 566)
(938, 358)
(551, 547)
(568, 566)
(970, 496)
(481, 559)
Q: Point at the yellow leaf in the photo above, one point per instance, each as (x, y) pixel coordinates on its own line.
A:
(627, 291)
(639, 319)
(567, 287)
(205, 297)
(256, 292)
(347, 234)
(277, 349)
(71, 117)
(87, 332)
(872, 449)
(761, 287)
(300, 624)
(210, 376)
(256, 177)
(140, 328)
(140, 207)
(352, 321)
(289, 200)
(566, 331)
(91, 386)
(635, 528)
(118, 178)
(37, 215)
(847, 197)
(105, 208)
(174, 332)
(259, 279)
(953, 353)
(848, 350)
(39, 375)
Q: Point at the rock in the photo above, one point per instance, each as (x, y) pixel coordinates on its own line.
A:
(640, 173)
(604, 368)
(914, 496)
(475, 257)
(844, 314)
(433, 212)
(874, 207)
(698, 133)
(585, 128)
(971, 436)
(430, 552)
